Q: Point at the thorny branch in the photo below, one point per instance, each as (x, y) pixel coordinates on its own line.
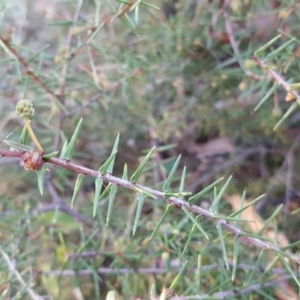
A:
(236, 231)
(276, 77)
(235, 292)
(17, 275)
(24, 64)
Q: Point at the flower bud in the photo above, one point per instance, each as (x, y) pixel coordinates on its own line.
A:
(24, 109)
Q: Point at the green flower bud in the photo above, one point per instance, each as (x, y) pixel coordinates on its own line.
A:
(24, 109)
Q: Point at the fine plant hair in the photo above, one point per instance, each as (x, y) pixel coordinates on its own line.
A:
(82, 215)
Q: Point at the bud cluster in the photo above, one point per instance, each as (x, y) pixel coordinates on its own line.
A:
(24, 109)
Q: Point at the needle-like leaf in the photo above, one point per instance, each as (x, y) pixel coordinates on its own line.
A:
(69, 152)
(168, 182)
(178, 277)
(267, 45)
(41, 177)
(24, 136)
(139, 170)
(125, 172)
(287, 114)
(204, 191)
(235, 257)
(104, 168)
(98, 187)
(219, 196)
(279, 49)
(112, 195)
(77, 188)
(17, 146)
(114, 149)
(138, 212)
(224, 252)
(237, 213)
(270, 219)
(195, 221)
(169, 208)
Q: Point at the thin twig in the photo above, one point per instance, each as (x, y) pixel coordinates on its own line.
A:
(207, 268)
(63, 78)
(276, 77)
(236, 292)
(26, 68)
(244, 237)
(235, 47)
(100, 94)
(13, 271)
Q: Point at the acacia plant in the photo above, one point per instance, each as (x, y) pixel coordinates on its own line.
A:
(87, 87)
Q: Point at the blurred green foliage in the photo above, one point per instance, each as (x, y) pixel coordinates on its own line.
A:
(157, 77)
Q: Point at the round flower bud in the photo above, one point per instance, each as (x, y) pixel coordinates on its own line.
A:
(24, 109)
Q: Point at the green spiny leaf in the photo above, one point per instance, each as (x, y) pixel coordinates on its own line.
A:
(237, 213)
(24, 136)
(63, 150)
(127, 21)
(204, 191)
(230, 219)
(145, 192)
(95, 33)
(98, 187)
(219, 228)
(290, 270)
(76, 188)
(138, 212)
(41, 178)
(259, 264)
(18, 146)
(190, 236)
(266, 97)
(114, 149)
(292, 245)
(106, 191)
(178, 277)
(112, 196)
(139, 170)
(279, 49)
(125, 172)
(50, 155)
(267, 45)
(198, 274)
(168, 182)
(169, 208)
(71, 146)
(288, 113)
(219, 196)
(294, 86)
(270, 219)
(194, 220)
(181, 187)
(235, 257)
(179, 195)
(124, 1)
(136, 14)
(104, 168)
(153, 292)
(137, 3)
(150, 5)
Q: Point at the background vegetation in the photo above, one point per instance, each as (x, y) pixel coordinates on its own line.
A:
(183, 79)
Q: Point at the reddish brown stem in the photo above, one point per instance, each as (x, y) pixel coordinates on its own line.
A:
(178, 202)
(26, 68)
